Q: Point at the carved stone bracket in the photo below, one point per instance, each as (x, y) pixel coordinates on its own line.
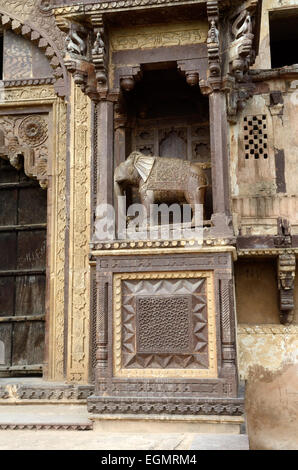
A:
(25, 140)
(213, 43)
(75, 57)
(100, 53)
(129, 76)
(241, 55)
(192, 69)
(86, 54)
(286, 278)
(238, 93)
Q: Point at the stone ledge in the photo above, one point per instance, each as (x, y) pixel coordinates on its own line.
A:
(166, 406)
(167, 424)
(26, 391)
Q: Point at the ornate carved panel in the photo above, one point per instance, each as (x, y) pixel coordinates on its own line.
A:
(164, 325)
(26, 136)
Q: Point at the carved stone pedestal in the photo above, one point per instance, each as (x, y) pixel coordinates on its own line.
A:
(166, 333)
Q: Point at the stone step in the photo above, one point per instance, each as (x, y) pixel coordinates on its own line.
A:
(220, 442)
(45, 417)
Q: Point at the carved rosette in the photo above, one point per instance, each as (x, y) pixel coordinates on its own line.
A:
(33, 131)
(26, 137)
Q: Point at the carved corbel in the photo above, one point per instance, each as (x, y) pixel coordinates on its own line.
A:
(237, 96)
(76, 53)
(286, 278)
(128, 77)
(237, 83)
(242, 53)
(213, 44)
(190, 69)
(28, 147)
(99, 54)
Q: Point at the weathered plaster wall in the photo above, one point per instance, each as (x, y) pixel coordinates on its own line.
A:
(265, 188)
(268, 362)
(256, 291)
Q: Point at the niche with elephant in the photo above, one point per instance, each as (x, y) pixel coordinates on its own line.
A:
(166, 117)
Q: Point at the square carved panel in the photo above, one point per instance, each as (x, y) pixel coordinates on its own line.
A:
(164, 325)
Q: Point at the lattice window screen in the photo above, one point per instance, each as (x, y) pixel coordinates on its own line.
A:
(255, 136)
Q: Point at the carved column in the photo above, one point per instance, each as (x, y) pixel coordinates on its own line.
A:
(105, 138)
(101, 328)
(286, 278)
(227, 324)
(219, 162)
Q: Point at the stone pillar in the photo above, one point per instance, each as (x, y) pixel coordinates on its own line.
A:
(105, 139)
(79, 238)
(220, 163)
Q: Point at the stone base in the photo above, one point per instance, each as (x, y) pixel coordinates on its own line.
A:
(165, 406)
(199, 424)
(60, 417)
(30, 390)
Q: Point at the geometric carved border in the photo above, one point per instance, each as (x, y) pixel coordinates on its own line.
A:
(152, 365)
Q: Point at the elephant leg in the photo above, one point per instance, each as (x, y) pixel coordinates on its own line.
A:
(147, 198)
(193, 199)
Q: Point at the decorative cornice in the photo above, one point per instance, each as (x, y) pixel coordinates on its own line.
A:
(44, 426)
(132, 251)
(122, 5)
(163, 244)
(270, 329)
(27, 82)
(267, 252)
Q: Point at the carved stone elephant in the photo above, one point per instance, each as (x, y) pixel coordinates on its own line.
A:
(161, 179)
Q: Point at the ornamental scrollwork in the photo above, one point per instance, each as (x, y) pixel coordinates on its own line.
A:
(24, 139)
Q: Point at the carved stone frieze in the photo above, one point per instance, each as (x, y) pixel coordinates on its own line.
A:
(80, 201)
(111, 5)
(286, 278)
(26, 137)
(48, 392)
(180, 406)
(158, 36)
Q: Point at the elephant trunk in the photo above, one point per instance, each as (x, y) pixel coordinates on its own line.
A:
(118, 191)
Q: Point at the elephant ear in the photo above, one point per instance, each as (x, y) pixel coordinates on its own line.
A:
(144, 165)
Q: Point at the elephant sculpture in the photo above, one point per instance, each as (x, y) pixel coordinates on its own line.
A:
(161, 179)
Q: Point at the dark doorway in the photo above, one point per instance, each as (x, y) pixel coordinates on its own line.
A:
(283, 38)
(23, 215)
